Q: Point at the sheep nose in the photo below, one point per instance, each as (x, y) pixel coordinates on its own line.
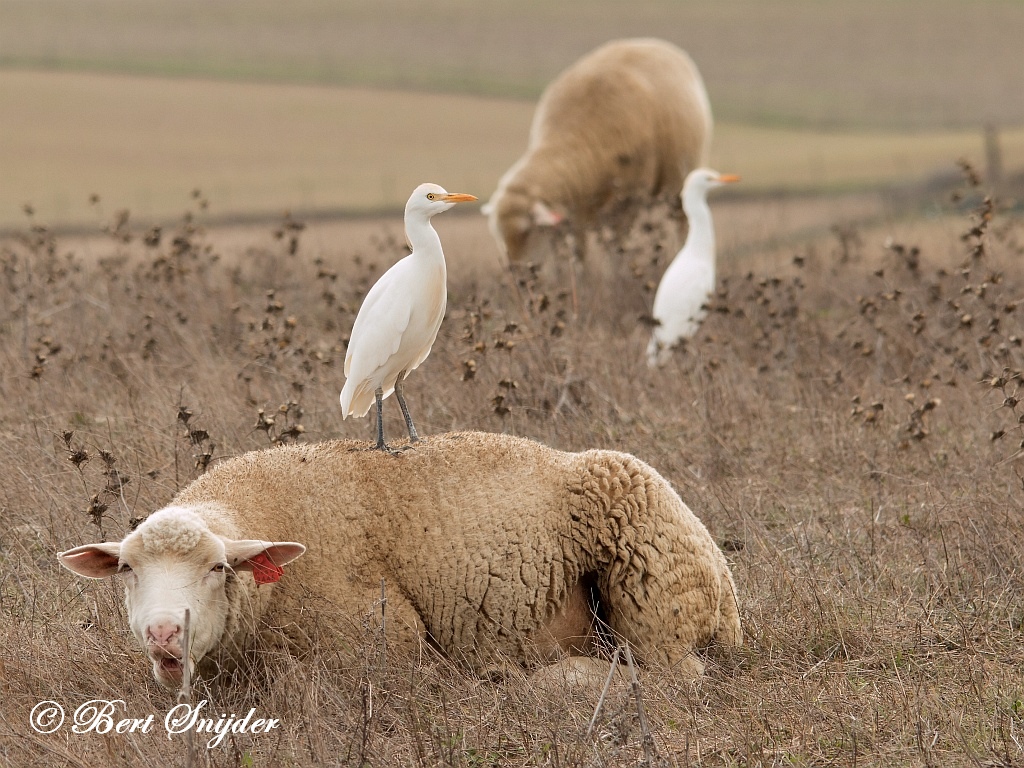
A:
(162, 632)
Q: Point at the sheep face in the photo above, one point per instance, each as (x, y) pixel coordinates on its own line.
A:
(514, 216)
(171, 563)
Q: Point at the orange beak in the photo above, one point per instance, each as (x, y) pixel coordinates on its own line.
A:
(728, 178)
(458, 197)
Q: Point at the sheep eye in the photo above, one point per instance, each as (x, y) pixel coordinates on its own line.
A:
(124, 568)
(218, 568)
(430, 196)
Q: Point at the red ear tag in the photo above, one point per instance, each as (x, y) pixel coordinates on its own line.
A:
(265, 571)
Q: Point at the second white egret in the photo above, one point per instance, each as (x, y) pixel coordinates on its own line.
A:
(679, 303)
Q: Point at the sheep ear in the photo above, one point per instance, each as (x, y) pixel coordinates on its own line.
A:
(94, 561)
(544, 216)
(263, 559)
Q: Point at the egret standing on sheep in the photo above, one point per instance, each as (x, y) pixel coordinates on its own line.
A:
(400, 316)
(679, 304)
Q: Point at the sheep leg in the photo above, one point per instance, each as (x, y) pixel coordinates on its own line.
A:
(578, 239)
(361, 608)
(578, 672)
(413, 436)
(670, 598)
(729, 630)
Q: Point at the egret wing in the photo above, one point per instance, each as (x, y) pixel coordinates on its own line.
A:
(380, 324)
(681, 296)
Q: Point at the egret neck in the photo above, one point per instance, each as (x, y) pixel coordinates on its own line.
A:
(426, 245)
(700, 239)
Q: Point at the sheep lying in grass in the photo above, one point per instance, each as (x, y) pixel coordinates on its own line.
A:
(628, 120)
(494, 547)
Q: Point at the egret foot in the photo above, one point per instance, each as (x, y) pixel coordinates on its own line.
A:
(382, 448)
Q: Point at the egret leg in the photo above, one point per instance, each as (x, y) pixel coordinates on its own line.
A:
(413, 436)
(381, 445)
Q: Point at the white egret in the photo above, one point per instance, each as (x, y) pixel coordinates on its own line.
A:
(679, 304)
(398, 321)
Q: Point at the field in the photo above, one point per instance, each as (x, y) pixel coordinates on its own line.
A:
(849, 421)
(916, 64)
(257, 149)
(846, 425)
(327, 107)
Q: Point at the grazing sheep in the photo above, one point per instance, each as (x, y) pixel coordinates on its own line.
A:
(494, 547)
(627, 121)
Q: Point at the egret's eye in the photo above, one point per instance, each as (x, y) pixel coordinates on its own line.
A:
(430, 196)
(124, 568)
(218, 568)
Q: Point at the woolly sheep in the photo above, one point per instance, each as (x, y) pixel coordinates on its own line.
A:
(492, 546)
(627, 121)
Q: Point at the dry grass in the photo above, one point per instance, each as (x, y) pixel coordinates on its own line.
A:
(846, 424)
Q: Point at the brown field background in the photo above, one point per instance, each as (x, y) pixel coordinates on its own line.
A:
(913, 64)
(332, 107)
(255, 149)
(847, 422)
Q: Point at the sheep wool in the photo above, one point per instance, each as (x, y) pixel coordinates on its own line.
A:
(625, 123)
(493, 547)
(173, 534)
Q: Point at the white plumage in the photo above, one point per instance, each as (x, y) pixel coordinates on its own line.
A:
(400, 316)
(679, 304)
